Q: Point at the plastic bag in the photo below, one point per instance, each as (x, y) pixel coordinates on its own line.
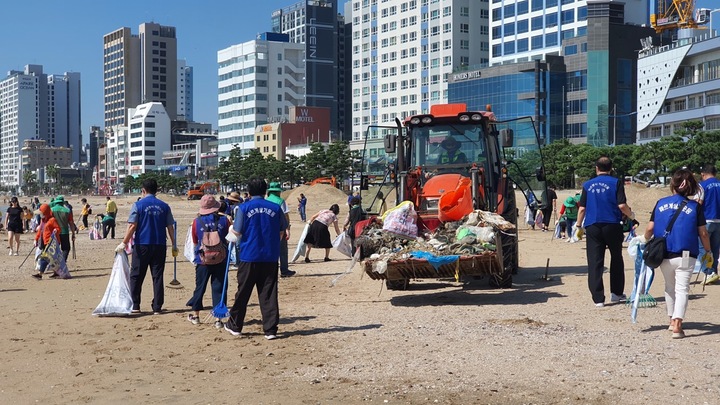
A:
(343, 245)
(117, 299)
(189, 249)
(301, 247)
(401, 220)
(479, 233)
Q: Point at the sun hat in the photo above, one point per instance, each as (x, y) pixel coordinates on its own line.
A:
(234, 197)
(208, 205)
(274, 186)
(570, 202)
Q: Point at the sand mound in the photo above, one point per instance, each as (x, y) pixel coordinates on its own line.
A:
(319, 197)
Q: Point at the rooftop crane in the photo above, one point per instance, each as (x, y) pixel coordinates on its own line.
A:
(674, 14)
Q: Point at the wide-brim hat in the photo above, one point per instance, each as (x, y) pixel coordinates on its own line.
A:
(208, 205)
(274, 186)
(570, 202)
(450, 143)
(234, 197)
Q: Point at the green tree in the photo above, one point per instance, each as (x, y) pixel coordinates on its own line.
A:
(339, 160)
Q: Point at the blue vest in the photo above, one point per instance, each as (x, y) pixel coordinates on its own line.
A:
(261, 225)
(601, 206)
(684, 234)
(153, 218)
(711, 200)
(204, 222)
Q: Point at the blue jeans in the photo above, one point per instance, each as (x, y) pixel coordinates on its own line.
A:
(713, 229)
(568, 227)
(302, 213)
(203, 273)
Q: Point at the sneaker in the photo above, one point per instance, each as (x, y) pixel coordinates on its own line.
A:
(11, 253)
(270, 337)
(617, 298)
(711, 279)
(232, 332)
(17, 254)
(135, 311)
(599, 304)
(327, 259)
(307, 260)
(157, 312)
(288, 273)
(219, 324)
(38, 276)
(195, 320)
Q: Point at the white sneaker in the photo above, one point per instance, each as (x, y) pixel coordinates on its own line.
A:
(11, 253)
(599, 304)
(17, 254)
(270, 337)
(617, 298)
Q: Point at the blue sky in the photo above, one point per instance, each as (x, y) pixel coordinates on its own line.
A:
(67, 36)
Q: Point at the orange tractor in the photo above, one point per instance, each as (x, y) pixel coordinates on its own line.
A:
(451, 162)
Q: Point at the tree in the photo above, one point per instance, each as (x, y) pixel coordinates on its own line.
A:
(339, 160)
(30, 185)
(53, 173)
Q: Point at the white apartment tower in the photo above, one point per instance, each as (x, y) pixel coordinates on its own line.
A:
(34, 105)
(258, 82)
(148, 138)
(404, 50)
(139, 69)
(184, 91)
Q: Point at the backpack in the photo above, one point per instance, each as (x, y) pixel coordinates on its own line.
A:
(89, 210)
(212, 249)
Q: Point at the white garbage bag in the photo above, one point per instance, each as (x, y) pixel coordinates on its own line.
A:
(189, 249)
(343, 245)
(117, 299)
(301, 249)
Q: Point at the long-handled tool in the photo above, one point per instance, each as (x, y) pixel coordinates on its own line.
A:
(175, 284)
(220, 311)
(26, 257)
(73, 247)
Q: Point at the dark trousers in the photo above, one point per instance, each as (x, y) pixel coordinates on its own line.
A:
(214, 273)
(547, 216)
(599, 237)
(142, 257)
(284, 266)
(84, 221)
(264, 277)
(109, 228)
(65, 245)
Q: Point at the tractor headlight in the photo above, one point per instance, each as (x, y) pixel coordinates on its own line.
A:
(415, 121)
(464, 118)
(476, 117)
(426, 120)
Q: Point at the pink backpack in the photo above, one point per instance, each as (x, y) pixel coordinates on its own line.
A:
(212, 249)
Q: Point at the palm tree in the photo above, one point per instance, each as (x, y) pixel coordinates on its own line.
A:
(53, 172)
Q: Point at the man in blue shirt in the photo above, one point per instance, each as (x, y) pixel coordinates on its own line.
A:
(710, 201)
(602, 204)
(258, 228)
(148, 220)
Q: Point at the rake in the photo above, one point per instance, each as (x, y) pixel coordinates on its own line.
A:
(175, 284)
(220, 311)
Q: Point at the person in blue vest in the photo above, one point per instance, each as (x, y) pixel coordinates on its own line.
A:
(710, 200)
(683, 237)
(258, 230)
(601, 206)
(452, 153)
(208, 219)
(149, 218)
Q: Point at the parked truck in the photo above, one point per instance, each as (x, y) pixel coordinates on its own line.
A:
(489, 160)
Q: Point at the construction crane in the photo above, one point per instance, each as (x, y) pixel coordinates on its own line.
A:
(675, 14)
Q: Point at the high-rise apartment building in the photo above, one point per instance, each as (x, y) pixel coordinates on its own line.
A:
(139, 69)
(259, 81)
(315, 24)
(523, 30)
(184, 91)
(403, 52)
(34, 105)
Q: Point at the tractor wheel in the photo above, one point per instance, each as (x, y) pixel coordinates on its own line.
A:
(397, 284)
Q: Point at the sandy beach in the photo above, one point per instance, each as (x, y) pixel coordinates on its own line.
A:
(439, 342)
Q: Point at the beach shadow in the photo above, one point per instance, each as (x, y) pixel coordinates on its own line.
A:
(691, 329)
(87, 276)
(13, 290)
(467, 297)
(536, 272)
(316, 331)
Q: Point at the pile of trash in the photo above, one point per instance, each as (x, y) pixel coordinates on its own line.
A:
(474, 234)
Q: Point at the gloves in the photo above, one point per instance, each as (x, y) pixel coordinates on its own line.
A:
(120, 248)
(578, 232)
(231, 237)
(35, 244)
(175, 252)
(707, 260)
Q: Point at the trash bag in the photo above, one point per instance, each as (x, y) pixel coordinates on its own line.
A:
(343, 245)
(401, 220)
(539, 218)
(301, 247)
(117, 299)
(189, 249)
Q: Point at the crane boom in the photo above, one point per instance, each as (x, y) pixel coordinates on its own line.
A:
(674, 14)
